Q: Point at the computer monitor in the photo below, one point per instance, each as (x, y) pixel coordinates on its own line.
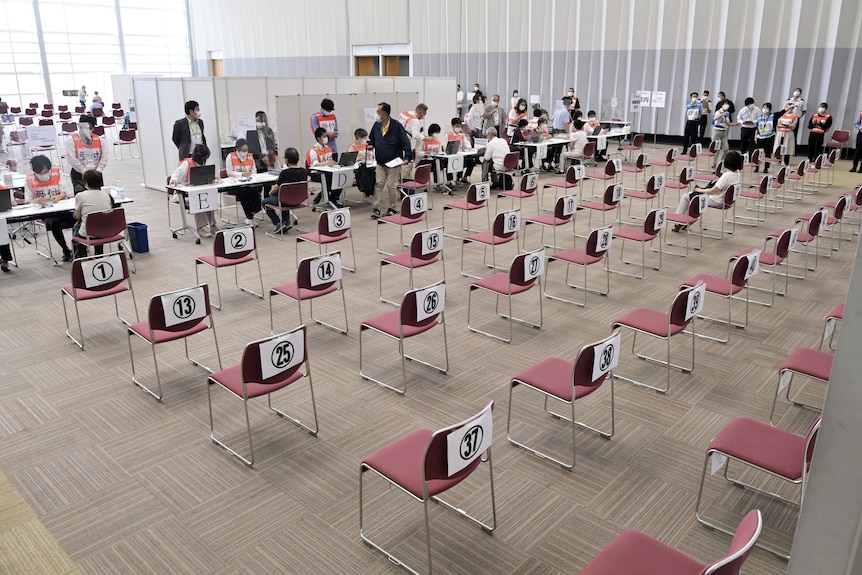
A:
(347, 159)
(202, 175)
(453, 147)
(5, 200)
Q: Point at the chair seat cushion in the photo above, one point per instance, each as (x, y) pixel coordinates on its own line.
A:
(681, 218)
(412, 185)
(636, 553)
(766, 258)
(548, 220)
(402, 462)
(463, 205)
(518, 194)
(98, 241)
(86, 294)
(599, 206)
(600, 176)
(499, 283)
(635, 234)
(810, 362)
(554, 377)
(292, 291)
(231, 379)
(390, 323)
(318, 238)
(575, 256)
(676, 186)
(220, 262)
(561, 184)
(760, 444)
(639, 194)
(632, 169)
(649, 321)
(714, 284)
(400, 220)
(837, 311)
(404, 260)
(161, 336)
(488, 238)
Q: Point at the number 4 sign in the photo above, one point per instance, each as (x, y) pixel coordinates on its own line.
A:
(418, 204)
(469, 441)
(279, 354)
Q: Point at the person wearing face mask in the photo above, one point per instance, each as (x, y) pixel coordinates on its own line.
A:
(593, 128)
(721, 123)
(189, 131)
(85, 151)
(517, 113)
(819, 124)
(457, 135)
(389, 141)
(261, 143)
(575, 105)
(92, 199)
(515, 97)
(240, 164)
(715, 192)
(325, 118)
(476, 90)
(459, 100)
(359, 145)
(414, 124)
(364, 174)
(320, 154)
(492, 114)
(706, 106)
(693, 112)
(800, 108)
(473, 118)
(747, 119)
(43, 187)
(292, 174)
(521, 135)
(787, 124)
(765, 136)
(199, 157)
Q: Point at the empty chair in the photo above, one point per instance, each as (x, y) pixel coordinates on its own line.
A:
(667, 163)
(683, 222)
(80, 109)
(170, 317)
(770, 260)
(574, 175)
(834, 220)
(96, 277)
(116, 105)
(839, 140)
(835, 315)
(126, 138)
(45, 122)
(290, 197)
(711, 176)
(232, 248)
(652, 190)
(503, 230)
(637, 169)
(414, 210)
(315, 277)
(420, 182)
(651, 229)
(478, 196)
(564, 382)
(610, 174)
(759, 447)
(268, 365)
(686, 304)
(596, 251)
(426, 248)
(636, 146)
(563, 214)
(525, 273)
(634, 552)
(421, 310)
(69, 128)
(753, 164)
(708, 153)
(613, 195)
(333, 226)
(808, 235)
(528, 188)
(65, 116)
(118, 113)
(806, 362)
(420, 465)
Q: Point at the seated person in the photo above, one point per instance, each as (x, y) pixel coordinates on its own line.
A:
(91, 199)
(540, 134)
(241, 164)
(594, 128)
(321, 155)
(732, 165)
(578, 141)
(5, 249)
(359, 145)
(520, 136)
(199, 156)
(292, 174)
(495, 155)
(470, 162)
(43, 187)
(429, 147)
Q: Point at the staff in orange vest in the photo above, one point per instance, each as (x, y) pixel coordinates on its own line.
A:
(43, 187)
(85, 151)
(819, 124)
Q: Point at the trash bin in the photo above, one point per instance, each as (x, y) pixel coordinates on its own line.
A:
(138, 237)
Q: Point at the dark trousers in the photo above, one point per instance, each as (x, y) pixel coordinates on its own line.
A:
(77, 181)
(815, 145)
(690, 134)
(702, 126)
(857, 155)
(5, 253)
(274, 214)
(249, 199)
(767, 145)
(80, 250)
(746, 140)
(56, 223)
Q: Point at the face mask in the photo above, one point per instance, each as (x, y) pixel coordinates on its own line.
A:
(475, 88)
(377, 118)
(243, 156)
(43, 177)
(522, 107)
(496, 102)
(456, 130)
(726, 107)
(327, 112)
(766, 111)
(515, 95)
(694, 100)
(86, 130)
(325, 140)
(197, 115)
(259, 125)
(821, 110)
(797, 93)
(571, 93)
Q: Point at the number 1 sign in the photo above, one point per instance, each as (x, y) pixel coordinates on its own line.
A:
(98, 272)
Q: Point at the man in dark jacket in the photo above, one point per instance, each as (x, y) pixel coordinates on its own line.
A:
(189, 131)
(390, 142)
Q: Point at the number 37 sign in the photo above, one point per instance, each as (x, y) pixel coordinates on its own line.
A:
(469, 441)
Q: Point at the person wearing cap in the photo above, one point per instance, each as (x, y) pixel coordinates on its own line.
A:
(325, 118)
(85, 151)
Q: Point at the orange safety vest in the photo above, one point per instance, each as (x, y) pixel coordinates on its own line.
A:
(45, 189)
(89, 156)
(594, 124)
(191, 164)
(237, 165)
(317, 154)
(818, 128)
(326, 122)
(405, 117)
(432, 145)
(785, 121)
(459, 137)
(354, 148)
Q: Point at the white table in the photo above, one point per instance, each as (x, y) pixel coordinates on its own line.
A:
(550, 142)
(323, 170)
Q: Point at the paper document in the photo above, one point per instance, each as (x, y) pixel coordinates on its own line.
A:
(394, 163)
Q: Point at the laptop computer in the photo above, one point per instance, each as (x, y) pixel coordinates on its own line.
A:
(453, 147)
(347, 159)
(5, 200)
(202, 175)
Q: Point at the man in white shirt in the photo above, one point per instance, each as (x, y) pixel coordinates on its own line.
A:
(495, 153)
(85, 151)
(459, 100)
(474, 117)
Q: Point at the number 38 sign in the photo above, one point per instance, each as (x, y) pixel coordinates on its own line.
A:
(469, 441)
(279, 354)
(606, 355)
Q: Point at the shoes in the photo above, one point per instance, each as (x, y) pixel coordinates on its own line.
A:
(465, 181)
(391, 212)
(757, 170)
(338, 205)
(4, 265)
(295, 221)
(213, 229)
(560, 173)
(680, 227)
(67, 256)
(282, 228)
(375, 213)
(250, 222)
(495, 186)
(853, 169)
(203, 233)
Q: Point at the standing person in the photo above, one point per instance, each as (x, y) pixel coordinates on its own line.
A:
(765, 135)
(414, 124)
(240, 164)
(721, 123)
(515, 97)
(693, 112)
(92, 199)
(561, 124)
(857, 153)
(723, 98)
(474, 118)
(787, 124)
(706, 108)
(800, 108)
(85, 151)
(292, 174)
(43, 187)
(459, 101)
(325, 118)
(200, 154)
(390, 142)
(747, 119)
(492, 114)
(189, 131)
(517, 113)
(82, 96)
(493, 159)
(575, 105)
(819, 124)
(261, 142)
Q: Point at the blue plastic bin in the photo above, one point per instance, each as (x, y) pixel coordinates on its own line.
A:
(138, 237)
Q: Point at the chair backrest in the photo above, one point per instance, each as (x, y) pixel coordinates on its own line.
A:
(63, 108)
(127, 135)
(47, 113)
(334, 223)
(800, 168)
(731, 194)
(814, 223)
(510, 161)
(79, 109)
(697, 205)
(599, 242)
(840, 207)
(48, 106)
(97, 112)
(108, 121)
(744, 539)
(590, 149)
(422, 176)
(613, 167)
(655, 221)
(26, 121)
(235, 243)
(670, 157)
(841, 135)
(527, 268)
(427, 244)
(423, 307)
(765, 185)
(180, 310)
(118, 113)
(640, 162)
(781, 177)
(478, 194)
(116, 105)
(273, 360)
(319, 273)
(692, 151)
(574, 174)
(595, 361)
(785, 242)
(414, 206)
(858, 195)
(655, 184)
(472, 437)
(106, 224)
(833, 157)
(15, 109)
(686, 175)
(30, 111)
(46, 122)
(755, 157)
(65, 115)
(100, 273)
(529, 184)
(810, 441)
(713, 146)
(743, 267)
(638, 141)
(506, 224)
(294, 194)
(614, 193)
(566, 207)
(719, 169)
(99, 130)
(687, 303)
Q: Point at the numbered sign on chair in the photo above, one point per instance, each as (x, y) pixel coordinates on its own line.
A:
(695, 302)
(660, 219)
(689, 173)
(618, 165)
(454, 163)
(605, 237)
(737, 188)
(469, 442)
(483, 191)
(418, 203)
(430, 301)
(580, 172)
(829, 329)
(542, 151)
(824, 218)
(698, 148)
(570, 205)
(745, 158)
(769, 180)
(182, 306)
(534, 265)
(99, 272)
(659, 181)
(432, 241)
(753, 264)
(532, 181)
(606, 355)
(646, 159)
(342, 178)
(338, 220)
(717, 461)
(618, 193)
(794, 235)
(702, 202)
(325, 269)
(279, 354)
(238, 240)
(203, 199)
(512, 222)
(673, 154)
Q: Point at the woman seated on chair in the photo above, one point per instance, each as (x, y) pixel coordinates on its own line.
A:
(92, 199)
(716, 189)
(292, 174)
(200, 153)
(241, 164)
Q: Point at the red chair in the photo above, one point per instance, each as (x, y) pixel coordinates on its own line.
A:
(65, 116)
(739, 269)
(106, 228)
(48, 107)
(596, 251)
(30, 112)
(804, 361)
(99, 131)
(653, 224)
(639, 167)
(652, 190)
(636, 146)
(503, 230)
(477, 199)
(565, 382)
(232, 248)
(290, 197)
(611, 174)
(315, 277)
(421, 310)
(268, 365)
(528, 188)
(420, 465)
(96, 277)
(729, 198)
(614, 194)
(686, 304)
(118, 113)
(80, 109)
(783, 243)
(758, 196)
(690, 157)
(333, 226)
(414, 210)
(839, 140)
(116, 105)
(777, 453)
(564, 214)
(525, 273)
(829, 161)
(426, 248)
(794, 181)
(839, 208)
(46, 122)
(808, 234)
(62, 108)
(69, 128)
(835, 315)
(574, 175)
(711, 176)
(583, 158)
(710, 152)
(421, 181)
(510, 169)
(668, 162)
(15, 110)
(752, 164)
(126, 138)
(173, 316)
(636, 552)
(97, 112)
(47, 113)
(683, 222)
